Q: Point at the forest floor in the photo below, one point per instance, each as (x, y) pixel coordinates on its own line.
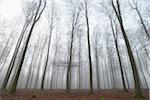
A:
(73, 95)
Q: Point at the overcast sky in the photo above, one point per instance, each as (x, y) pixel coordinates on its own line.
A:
(10, 8)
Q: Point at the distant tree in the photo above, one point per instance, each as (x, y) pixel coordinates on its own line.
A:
(7, 48)
(113, 24)
(51, 21)
(39, 62)
(143, 46)
(79, 36)
(75, 19)
(136, 8)
(110, 62)
(55, 66)
(118, 54)
(141, 69)
(96, 40)
(32, 64)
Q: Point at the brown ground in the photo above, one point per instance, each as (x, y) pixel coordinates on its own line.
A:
(74, 95)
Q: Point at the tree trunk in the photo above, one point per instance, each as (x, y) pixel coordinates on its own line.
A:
(89, 51)
(142, 22)
(70, 63)
(138, 92)
(118, 54)
(24, 49)
(97, 68)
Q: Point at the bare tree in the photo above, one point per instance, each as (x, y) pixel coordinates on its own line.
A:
(51, 19)
(141, 69)
(143, 46)
(28, 17)
(118, 54)
(18, 63)
(31, 67)
(136, 8)
(86, 5)
(110, 62)
(96, 39)
(39, 62)
(75, 19)
(54, 64)
(7, 48)
(109, 14)
(79, 36)
(117, 10)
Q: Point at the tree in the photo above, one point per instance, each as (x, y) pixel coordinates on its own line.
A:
(136, 8)
(110, 61)
(96, 39)
(118, 54)
(75, 19)
(79, 36)
(33, 61)
(86, 5)
(40, 60)
(117, 10)
(113, 24)
(28, 18)
(7, 48)
(21, 55)
(54, 64)
(141, 69)
(51, 19)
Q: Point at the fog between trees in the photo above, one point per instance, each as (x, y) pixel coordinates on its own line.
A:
(76, 44)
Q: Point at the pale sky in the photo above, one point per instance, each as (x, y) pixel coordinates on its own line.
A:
(10, 8)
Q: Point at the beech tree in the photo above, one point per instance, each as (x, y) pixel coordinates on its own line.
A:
(51, 21)
(86, 6)
(21, 55)
(79, 36)
(75, 19)
(117, 10)
(96, 47)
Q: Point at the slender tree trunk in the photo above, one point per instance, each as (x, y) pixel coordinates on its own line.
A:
(31, 68)
(3, 60)
(122, 73)
(70, 62)
(111, 67)
(24, 49)
(141, 68)
(138, 91)
(5, 48)
(97, 68)
(118, 54)
(89, 51)
(145, 49)
(57, 76)
(142, 22)
(47, 58)
(8, 73)
(39, 64)
(54, 65)
(62, 77)
(49, 43)
(79, 61)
